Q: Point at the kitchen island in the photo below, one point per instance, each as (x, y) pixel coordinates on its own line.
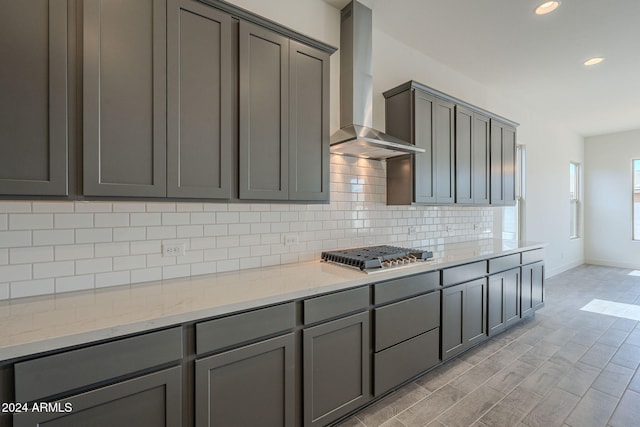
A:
(202, 326)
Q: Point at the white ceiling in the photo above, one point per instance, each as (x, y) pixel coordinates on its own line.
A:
(502, 44)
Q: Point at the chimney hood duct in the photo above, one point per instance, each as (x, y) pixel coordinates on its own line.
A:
(356, 136)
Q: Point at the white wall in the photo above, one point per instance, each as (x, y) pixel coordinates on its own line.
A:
(608, 199)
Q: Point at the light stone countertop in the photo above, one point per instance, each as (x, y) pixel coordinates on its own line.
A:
(40, 324)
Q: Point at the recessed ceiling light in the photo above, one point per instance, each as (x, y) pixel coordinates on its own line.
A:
(593, 61)
(547, 7)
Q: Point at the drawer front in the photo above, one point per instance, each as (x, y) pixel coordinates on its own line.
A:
(334, 305)
(504, 263)
(55, 374)
(529, 257)
(403, 361)
(237, 329)
(405, 287)
(406, 319)
(463, 273)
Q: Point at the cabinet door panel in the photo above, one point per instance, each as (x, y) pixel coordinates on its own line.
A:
(309, 123)
(526, 291)
(464, 155)
(199, 101)
(264, 114)
(124, 98)
(425, 163)
(475, 312)
(481, 164)
(445, 152)
(537, 285)
(497, 177)
(509, 165)
(452, 321)
(249, 386)
(496, 299)
(336, 368)
(512, 297)
(33, 98)
(154, 400)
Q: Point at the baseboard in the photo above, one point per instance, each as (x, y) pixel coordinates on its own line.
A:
(612, 263)
(563, 268)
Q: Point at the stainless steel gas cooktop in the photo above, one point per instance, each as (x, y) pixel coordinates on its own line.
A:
(377, 258)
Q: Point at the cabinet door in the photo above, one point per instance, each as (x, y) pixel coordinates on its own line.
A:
(154, 400)
(33, 98)
(199, 101)
(308, 123)
(537, 285)
(512, 296)
(497, 156)
(336, 368)
(481, 162)
(526, 291)
(503, 301)
(250, 386)
(509, 164)
(445, 151)
(124, 86)
(453, 339)
(465, 126)
(264, 114)
(475, 312)
(424, 163)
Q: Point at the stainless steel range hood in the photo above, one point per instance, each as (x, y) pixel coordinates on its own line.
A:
(356, 136)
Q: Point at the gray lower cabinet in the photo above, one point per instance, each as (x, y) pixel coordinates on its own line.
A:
(532, 288)
(464, 317)
(124, 98)
(427, 122)
(199, 116)
(34, 100)
(503, 163)
(153, 400)
(472, 157)
(253, 385)
(336, 368)
(503, 300)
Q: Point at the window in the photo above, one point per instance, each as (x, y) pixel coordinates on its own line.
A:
(636, 199)
(574, 200)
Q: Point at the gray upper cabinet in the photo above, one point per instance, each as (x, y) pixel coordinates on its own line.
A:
(308, 123)
(427, 122)
(472, 157)
(33, 98)
(264, 114)
(124, 99)
(503, 161)
(199, 143)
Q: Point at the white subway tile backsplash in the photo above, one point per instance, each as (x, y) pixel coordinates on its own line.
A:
(113, 279)
(32, 288)
(82, 245)
(94, 235)
(111, 219)
(129, 234)
(30, 255)
(75, 283)
(14, 273)
(30, 221)
(53, 269)
(91, 266)
(77, 220)
(69, 252)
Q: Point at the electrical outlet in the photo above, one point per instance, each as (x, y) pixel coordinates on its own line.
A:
(291, 239)
(412, 230)
(173, 250)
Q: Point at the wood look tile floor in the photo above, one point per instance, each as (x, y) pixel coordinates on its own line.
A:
(565, 367)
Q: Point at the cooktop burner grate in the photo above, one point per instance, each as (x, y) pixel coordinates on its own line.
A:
(376, 257)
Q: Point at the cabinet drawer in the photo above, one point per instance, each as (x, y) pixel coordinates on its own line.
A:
(463, 273)
(237, 329)
(403, 361)
(56, 374)
(504, 263)
(400, 321)
(529, 257)
(334, 305)
(405, 287)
